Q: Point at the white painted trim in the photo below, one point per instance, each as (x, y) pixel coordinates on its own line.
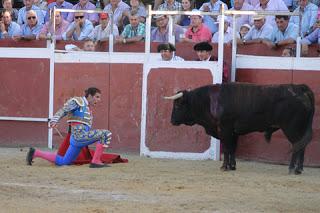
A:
(213, 152)
(8, 118)
(274, 63)
(51, 89)
(13, 52)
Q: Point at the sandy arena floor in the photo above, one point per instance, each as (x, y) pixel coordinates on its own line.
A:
(154, 185)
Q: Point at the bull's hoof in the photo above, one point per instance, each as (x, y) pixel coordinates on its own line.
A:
(29, 157)
(297, 172)
(233, 167)
(225, 168)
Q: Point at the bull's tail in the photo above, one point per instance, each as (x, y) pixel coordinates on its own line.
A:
(307, 98)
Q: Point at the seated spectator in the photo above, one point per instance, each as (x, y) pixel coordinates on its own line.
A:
(7, 5)
(253, 3)
(171, 5)
(204, 53)
(197, 31)
(161, 32)
(103, 30)
(116, 9)
(309, 13)
(48, 31)
(89, 46)
(79, 29)
(212, 6)
(59, 4)
(227, 31)
(31, 29)
(187, 5)
(8, 28)
(285, 33)
(260, 31)
(271, 5)
(42, 4)
(167, 51)
(133, 32)
(242, 19)
(136, 6)
(85, 5)
(312, 38)
(29, 5)
(244, 29)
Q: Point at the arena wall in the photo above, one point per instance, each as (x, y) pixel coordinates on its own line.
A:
(25, 93)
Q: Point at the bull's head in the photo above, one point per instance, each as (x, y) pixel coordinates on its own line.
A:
(181, 111)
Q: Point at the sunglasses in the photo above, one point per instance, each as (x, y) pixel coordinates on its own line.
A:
(78, 17)
(31, 17)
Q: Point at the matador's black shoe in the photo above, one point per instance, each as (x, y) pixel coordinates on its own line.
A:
(30, 156)
(95, 165)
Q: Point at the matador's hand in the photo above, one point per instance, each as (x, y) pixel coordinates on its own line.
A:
(52, 124)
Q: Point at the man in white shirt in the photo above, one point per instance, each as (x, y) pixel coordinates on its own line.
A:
(242, 19)
(227, 31)
(103, 30)
(260, 31)
(273, 6)
(167, 51)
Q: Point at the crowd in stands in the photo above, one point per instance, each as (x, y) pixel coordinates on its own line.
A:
(35, 21)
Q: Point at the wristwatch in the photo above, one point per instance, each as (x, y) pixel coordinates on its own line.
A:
(244, 41)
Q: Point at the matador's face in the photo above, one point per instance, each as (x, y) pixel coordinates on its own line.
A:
(95, 99)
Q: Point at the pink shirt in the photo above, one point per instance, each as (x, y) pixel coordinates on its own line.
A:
(59, 29)
(203, 34)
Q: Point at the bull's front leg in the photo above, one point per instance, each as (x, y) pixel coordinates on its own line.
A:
(226, 163)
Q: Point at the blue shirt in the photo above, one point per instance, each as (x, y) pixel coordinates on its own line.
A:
(265, 32)
(13, 30)
(27, 31)
(64, 5)
(314, 37)
(129, 31)
(309, 18)
(23, 13)
(85, 31)
(290, 32)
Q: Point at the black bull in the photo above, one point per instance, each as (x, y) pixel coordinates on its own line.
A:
(229, 110)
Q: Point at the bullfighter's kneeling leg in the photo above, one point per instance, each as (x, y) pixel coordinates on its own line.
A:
(70, 156)
(35, 153)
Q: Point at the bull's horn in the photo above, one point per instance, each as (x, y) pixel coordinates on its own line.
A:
(174, 97)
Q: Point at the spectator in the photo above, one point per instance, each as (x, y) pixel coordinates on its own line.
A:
(274, 6)
(31, 29)
(242, 19)
(89, 46)
(309, 13)
(7, 5)
(314, 37)
(260, 31)
(138, 7)
(170, 5)
(167, 51)
(204, 53)
(8, 28)
(23, 12)
(59, 4)
(116, 9)
(161, 32)
(289, 4)
(253, 3)
(85, 5)
(211, 6)
(187, 5)
(61, 26)
(285, 33)
(227, 31)
(197, 31)
(42, 4)
(79, 29)
(244, 29)
(133, 32)
(103, 30)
